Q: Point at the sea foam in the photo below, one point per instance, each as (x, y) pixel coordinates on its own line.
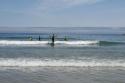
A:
(7, 42)
(31, 62)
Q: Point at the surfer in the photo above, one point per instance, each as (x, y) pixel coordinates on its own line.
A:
(39, 38)
(53, 40)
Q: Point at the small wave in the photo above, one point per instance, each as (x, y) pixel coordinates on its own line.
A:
(20, 62)
(7, 42)
(80, 42)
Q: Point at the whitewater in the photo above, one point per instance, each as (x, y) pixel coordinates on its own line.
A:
(69, 43)
(32, 62)
(10, 42)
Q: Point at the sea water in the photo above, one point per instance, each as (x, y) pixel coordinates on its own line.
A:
(90, 55)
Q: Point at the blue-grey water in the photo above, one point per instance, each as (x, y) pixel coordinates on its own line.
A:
(89, 55)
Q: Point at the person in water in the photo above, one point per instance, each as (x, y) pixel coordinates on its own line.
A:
(53, 40)
(39, 38)
(65, 39)
(30, 38)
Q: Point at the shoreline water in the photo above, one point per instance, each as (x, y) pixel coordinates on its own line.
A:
(62, 74)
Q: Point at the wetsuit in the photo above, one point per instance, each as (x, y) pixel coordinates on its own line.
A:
(39, 38)
(53, 38)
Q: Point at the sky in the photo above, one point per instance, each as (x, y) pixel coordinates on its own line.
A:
(62, 13)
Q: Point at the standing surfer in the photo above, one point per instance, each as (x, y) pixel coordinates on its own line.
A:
(53, 40)
(39, 38)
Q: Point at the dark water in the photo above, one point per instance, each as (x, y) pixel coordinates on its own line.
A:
(89, 56)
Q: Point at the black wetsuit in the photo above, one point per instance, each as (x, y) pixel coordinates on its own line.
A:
(53, 39)
(39, 38)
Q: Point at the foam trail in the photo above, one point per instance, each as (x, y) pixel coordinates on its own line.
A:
(23, 62)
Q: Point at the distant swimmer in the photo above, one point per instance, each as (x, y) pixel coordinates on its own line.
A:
(65, 39)
(30, 38)
(39, 38)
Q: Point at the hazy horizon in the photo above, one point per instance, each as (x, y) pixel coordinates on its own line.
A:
(85, 30)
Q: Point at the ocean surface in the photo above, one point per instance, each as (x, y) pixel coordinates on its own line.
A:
(89, 55)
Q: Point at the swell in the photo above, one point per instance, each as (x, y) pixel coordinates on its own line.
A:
(110, 43)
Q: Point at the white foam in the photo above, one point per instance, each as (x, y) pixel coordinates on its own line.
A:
(7, 42)
(22, 62)
(77, 42)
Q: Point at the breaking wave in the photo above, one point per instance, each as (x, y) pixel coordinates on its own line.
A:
(23, 62)
(7, 42)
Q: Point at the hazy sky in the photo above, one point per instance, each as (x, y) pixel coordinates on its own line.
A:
(63, 13)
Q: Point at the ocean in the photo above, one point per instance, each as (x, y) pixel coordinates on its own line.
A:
(80, 55)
